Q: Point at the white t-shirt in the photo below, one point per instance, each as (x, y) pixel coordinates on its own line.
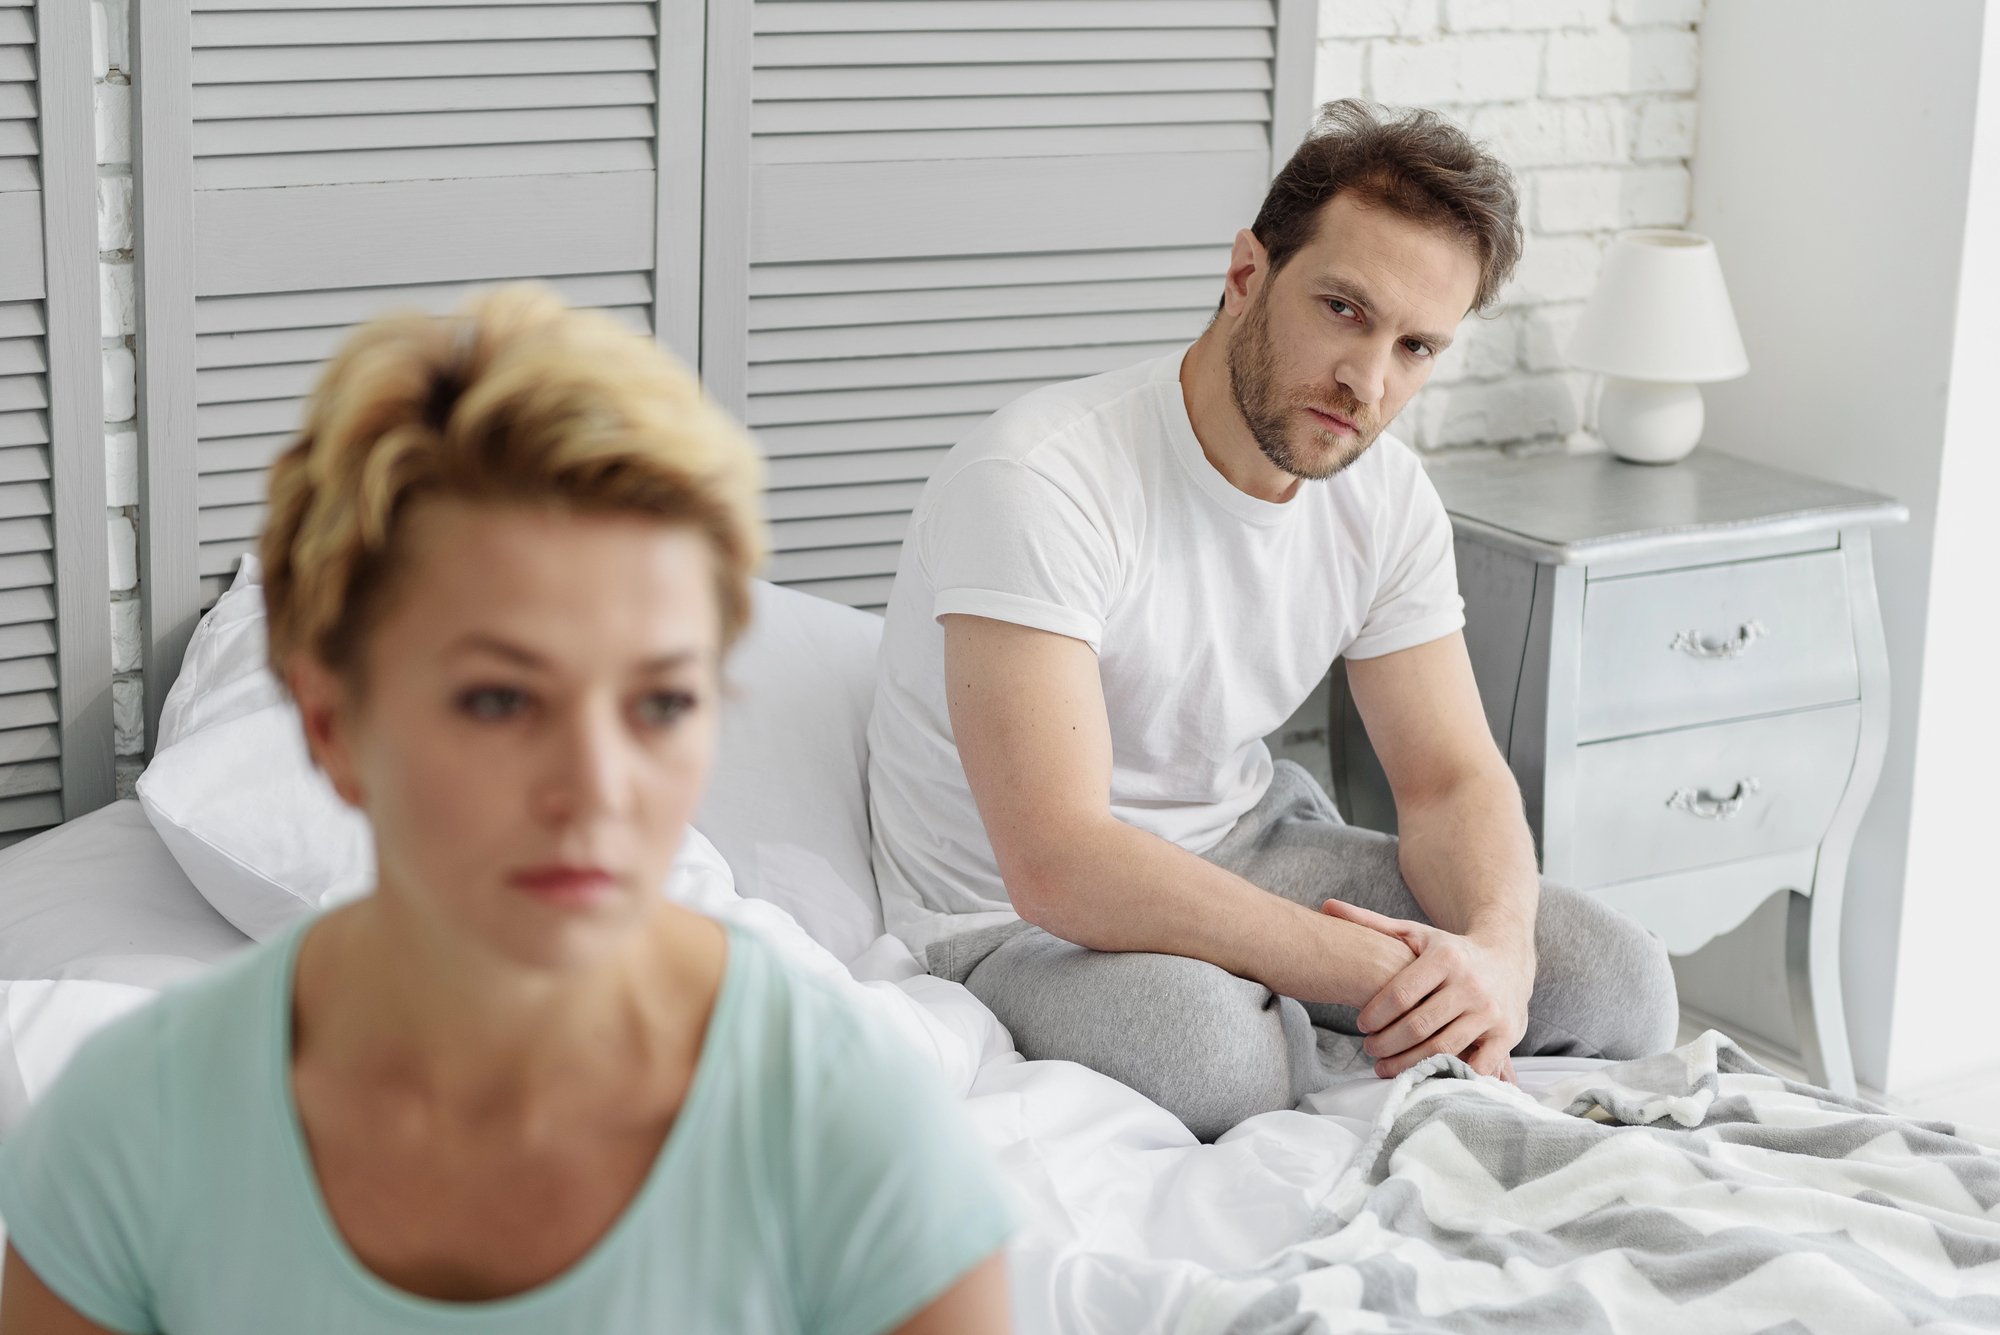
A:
(1088, 509)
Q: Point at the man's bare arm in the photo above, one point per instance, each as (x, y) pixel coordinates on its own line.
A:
(1466, 854)
(1027, 710)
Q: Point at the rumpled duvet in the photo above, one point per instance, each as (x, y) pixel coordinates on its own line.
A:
(1693, 1191)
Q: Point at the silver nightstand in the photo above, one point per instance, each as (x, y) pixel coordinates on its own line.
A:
(1684, 667)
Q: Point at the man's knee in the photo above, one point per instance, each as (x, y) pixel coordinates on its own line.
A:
(1603, 985)
(1206, 1045)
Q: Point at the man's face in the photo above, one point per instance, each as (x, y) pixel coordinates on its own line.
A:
(1327, 351)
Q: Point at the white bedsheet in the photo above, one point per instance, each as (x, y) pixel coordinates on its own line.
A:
(1123, 1214)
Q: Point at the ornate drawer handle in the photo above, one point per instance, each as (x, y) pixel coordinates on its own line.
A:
(1710, 807)
(1747, 634)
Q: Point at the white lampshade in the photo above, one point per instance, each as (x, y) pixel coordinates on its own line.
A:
(1660, 312)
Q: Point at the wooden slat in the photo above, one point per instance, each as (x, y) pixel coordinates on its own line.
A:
(869, 499)
(19, 500)
(897, 275)
(868, 113)
(902, 433)
(963, 368)
(17, 64)
(30, 604)
(20, 356)
(420, 164)
(20, 319)
(220, 558)
(827, 470)
(1044, 46)
(870, 405)
(289, 64)
(20, 175)
(227, 318)
(240, 454)
(26, 570)
(35, 637)
(1027, 81)
(33, 534)
(316, 134)
(24, 428)
(21, 276)
(17, 101)
(16, 28)
(19, 393)
(331, 26)
(982, 15)
(930, 338)
(28, 813)
(972, 303)
(18, 139)
(261, 417)
(848, 531)
(24, 464)
(241, 384)
(19, 744)
(870, 594)
(1044, 143)
(227, 6)
(833, 563)
(231, 521)
(421, 232)
(41, 776)
(27, 674)
(391, 96)
(881, 209)
(28, 709)
(220, 489)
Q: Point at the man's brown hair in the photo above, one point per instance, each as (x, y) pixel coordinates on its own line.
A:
(1411, 162)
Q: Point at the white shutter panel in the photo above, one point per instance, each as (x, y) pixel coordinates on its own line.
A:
(348, 157)
(951, 202)
(55, 718)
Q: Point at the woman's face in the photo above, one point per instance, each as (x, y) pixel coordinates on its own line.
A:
(535, 726)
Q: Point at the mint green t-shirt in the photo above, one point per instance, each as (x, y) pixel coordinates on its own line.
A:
(819, 1178)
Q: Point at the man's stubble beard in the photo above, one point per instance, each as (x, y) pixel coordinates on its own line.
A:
(1253, 373)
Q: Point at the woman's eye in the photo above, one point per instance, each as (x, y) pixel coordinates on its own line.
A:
(660, 709)
(491, 704)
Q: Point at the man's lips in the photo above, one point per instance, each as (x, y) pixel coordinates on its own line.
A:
(1334, 422)
(565, 883)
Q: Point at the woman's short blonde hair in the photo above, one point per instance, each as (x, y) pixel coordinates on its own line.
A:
(514, 399)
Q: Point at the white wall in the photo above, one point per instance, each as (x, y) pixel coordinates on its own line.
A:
(1832, 174)
(1592, 103)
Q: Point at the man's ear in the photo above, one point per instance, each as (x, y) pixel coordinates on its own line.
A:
(1249, 266)
(326, 711)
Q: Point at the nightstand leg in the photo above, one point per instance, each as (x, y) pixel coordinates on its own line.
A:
(1812, 963)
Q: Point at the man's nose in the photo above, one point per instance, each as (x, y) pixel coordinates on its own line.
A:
(1364, 371)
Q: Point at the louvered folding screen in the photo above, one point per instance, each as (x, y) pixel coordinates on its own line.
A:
(951, 202)
(347, 157)
(55, 728)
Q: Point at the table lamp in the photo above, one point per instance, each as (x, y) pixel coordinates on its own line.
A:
(1657, 325)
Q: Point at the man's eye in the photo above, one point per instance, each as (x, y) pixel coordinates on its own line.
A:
(491, 704)
(660, 709)
(1417, 349)
(1339, 307)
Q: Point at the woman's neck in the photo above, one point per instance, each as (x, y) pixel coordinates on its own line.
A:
(387, 993)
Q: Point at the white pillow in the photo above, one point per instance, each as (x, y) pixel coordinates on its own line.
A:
(788, 801)
(261, 833)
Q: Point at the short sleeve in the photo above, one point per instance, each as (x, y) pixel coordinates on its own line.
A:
(1416, 597)
(897, 1197)
(80, 1179)
(1003, 541)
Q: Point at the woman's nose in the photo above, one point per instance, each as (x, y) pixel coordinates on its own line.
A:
(585, 770)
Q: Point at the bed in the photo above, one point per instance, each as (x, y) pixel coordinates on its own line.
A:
(1694, 1191)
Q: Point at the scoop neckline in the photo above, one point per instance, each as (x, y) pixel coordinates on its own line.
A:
(372, 1286)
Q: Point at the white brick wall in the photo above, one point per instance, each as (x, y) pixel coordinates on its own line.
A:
(1591, 102)
(109, 28)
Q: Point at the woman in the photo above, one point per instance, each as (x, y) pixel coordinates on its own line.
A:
(515, 1089)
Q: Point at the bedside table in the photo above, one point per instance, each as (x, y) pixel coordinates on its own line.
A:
(1684, 667)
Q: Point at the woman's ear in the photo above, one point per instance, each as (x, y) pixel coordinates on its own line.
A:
(326, 711)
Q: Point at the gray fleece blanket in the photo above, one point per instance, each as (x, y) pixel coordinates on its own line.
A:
(1694, 1191)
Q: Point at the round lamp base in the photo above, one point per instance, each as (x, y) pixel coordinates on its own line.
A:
(1649, 423)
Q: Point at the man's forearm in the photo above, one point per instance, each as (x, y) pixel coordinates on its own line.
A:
(1470, 862)
(1111, 886)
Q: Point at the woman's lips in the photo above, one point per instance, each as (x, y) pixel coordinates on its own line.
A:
(565, 885)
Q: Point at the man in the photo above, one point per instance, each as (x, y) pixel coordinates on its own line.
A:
(1114, 588)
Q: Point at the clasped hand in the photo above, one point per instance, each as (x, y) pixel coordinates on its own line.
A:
(1460, 995)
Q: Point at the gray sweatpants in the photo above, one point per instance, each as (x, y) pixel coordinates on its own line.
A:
(1214, 1049)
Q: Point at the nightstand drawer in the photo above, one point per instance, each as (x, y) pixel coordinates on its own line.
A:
(1701, 796)
(1720, 642)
